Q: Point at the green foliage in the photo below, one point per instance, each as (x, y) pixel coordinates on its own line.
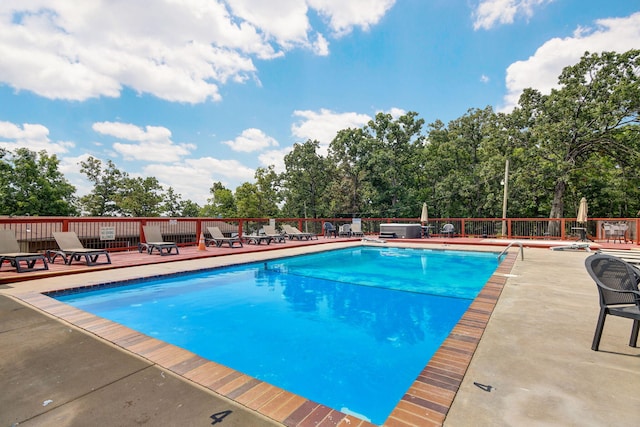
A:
(581, 139)
(595, 111)
(33, 185)
(141, 197)
(307, 179)
(392, 164)
(222, 203)
(248, 201)
(174, 206)
(107, 182)
(115, 193)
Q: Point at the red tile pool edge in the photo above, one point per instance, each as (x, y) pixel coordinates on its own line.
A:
(426, 403)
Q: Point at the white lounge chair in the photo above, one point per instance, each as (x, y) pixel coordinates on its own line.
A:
(71, 249)
(270, 231)
(153, 240)
(356, 229)
(218, 238)
(22, 261)
(294, 233)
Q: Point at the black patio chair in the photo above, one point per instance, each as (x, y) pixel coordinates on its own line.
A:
(330, 230)
(617, 283)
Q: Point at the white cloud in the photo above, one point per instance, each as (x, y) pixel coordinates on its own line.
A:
(275, 158)
(541, 70)
(70, 168)
(153, 143)
(190, 183)
(285, 20)
(324, 125)
(321, 46)
(192, 178)
(251, 140)
(396, 112)
(35, 137)
(490, 13)
(177, 50)
(344, 15)
(231, 169)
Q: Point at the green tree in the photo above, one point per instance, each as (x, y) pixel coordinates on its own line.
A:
(269, 185)
(221, 204)
(349, 187)
(595, 111)
(259, 200)
(174, 206)
(248, 201)
(107, 183)
(190, 209)
(33, 185)
(141, 197)
(459, 181)
(307, 178)
(392, 162)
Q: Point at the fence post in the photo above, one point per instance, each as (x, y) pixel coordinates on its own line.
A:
(143, 238)
(198, 229)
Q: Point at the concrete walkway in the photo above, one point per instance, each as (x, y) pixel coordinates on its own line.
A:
(533, 366)
(535, 359)
(54, 375)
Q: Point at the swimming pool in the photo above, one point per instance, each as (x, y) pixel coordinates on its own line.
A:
(356, 348)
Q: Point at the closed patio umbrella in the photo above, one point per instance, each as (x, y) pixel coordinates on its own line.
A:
(582, 219)
(582, 211)
(424, 216)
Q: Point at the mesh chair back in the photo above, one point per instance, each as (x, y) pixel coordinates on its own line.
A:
(152, 233)
(613, 274)
(215, 232)
(8, 242)
(67, 240)
(448, 228)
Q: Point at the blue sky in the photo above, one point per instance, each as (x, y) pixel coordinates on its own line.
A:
(198, 91)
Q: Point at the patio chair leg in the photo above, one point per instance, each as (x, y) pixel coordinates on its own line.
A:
(599, 328)
(633, 341)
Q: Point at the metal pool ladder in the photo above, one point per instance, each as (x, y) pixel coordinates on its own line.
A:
(509, 246)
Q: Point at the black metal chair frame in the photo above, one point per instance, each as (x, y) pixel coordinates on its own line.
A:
(617, 283)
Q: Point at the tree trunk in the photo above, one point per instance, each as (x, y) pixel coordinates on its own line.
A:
(557, 207)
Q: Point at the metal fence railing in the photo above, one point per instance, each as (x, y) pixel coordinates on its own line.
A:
(35, 234)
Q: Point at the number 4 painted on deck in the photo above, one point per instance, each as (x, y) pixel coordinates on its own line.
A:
(219, 417)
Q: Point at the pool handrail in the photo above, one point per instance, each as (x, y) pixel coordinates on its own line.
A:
(517, 242)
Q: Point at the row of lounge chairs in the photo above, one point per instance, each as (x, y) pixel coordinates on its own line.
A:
(71, 249)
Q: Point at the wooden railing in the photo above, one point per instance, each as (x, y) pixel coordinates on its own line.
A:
(115, 233)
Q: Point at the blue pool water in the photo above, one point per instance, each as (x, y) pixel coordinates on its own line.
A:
(350, 329)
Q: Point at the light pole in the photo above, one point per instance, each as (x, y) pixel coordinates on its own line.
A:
(505, 183)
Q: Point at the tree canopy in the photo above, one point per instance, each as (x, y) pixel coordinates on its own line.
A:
(580, 140)
(31, 184)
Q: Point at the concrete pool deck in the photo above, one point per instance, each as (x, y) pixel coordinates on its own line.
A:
(533, 365)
